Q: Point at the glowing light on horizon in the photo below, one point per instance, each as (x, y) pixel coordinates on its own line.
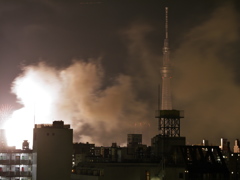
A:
(37, 98)
(19, 126)
(18, 129)
(5, 112)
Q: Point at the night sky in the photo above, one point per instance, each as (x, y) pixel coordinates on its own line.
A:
(97, 65)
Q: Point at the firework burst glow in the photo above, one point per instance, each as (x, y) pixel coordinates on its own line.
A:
(5, 113)
(74, 95)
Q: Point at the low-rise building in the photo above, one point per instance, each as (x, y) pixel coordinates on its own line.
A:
(16, 164)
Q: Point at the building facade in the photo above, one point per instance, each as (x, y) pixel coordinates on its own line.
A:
(126, 171)
(16, 164)
(52, 151)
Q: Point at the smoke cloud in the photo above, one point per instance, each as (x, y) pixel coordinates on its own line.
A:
(205, 85)
(76, 95)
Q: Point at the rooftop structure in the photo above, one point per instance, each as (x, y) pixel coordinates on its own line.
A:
(56, 124)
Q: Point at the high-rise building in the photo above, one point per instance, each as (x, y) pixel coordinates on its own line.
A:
(225, 146)
(134, 139)
(205, 142)
(236, 147)
(52, 151)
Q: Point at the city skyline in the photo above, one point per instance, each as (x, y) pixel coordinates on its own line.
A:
(96, 66)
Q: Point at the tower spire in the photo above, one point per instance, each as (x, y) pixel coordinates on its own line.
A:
(166, 22)
(166, 102)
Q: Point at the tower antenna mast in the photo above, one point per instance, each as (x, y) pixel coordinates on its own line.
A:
(166, 22)
(169, 119)
(166, 70)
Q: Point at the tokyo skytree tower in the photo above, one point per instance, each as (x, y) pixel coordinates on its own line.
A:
(168, 118)
(166, 71)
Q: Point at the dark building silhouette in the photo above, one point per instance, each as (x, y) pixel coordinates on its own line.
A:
(52, 151)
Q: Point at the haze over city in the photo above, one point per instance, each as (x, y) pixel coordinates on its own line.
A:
(95, 65)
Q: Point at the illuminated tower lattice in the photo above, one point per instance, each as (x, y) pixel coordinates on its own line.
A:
(169, 119)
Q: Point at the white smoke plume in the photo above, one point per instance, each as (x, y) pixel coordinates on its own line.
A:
(101, 113)
(205, 85)
(75, 95)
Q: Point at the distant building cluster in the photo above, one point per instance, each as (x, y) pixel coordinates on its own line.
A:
(55, 156)
(166, 158)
